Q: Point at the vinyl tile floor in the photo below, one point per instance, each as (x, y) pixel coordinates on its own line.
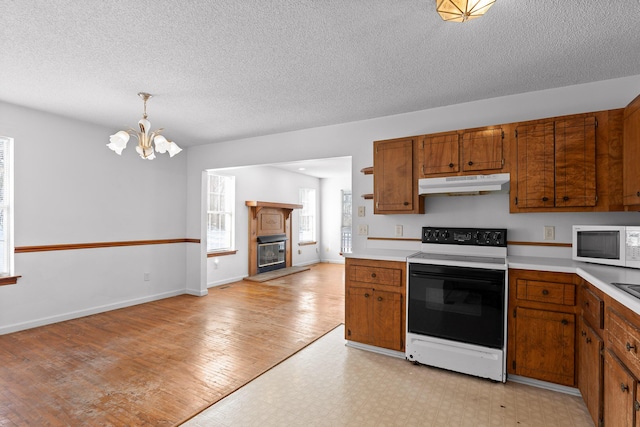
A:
(330, 384)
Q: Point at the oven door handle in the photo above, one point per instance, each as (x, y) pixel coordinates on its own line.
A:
(423, 275)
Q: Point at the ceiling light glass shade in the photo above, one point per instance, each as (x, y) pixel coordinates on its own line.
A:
(118, 141)
(146, 139)
(462, 10)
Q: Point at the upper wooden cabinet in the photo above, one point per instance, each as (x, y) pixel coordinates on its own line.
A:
(466, 151)
(395, 185)
(557, 163)
(631, 188)
(568, 164)
(482, 150)
(439, 153)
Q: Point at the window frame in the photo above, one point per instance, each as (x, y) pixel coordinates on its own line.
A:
(307, 212)
(7, 265)
(229, 212)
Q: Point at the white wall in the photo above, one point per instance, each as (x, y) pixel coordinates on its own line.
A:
(69, 188)
(355, 139)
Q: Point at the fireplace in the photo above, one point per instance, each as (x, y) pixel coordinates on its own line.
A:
(271, 252)
(269, 235)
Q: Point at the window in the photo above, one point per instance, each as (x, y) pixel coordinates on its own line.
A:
(6, 207)
(345, 246)
(307, 228)
(221, 200)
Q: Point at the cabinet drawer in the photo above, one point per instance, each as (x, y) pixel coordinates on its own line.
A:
(623, 339)
(548, 292)
(592, 308)
(376, 275)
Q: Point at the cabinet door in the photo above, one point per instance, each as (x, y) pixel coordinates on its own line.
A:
(358, 321)
(393, 176)
(535, 165)
(619, 389)
(482, 150)
(631, 158)
(545, 345)
(575, 151)
(387, 320)
(439, 154)
(590, 369)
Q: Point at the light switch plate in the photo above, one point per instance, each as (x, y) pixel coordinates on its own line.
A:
(361, 211)
(398, 231)
(363, 230)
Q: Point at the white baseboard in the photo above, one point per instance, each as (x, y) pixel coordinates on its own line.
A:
(374, 349)
(544, 384)
(87, 312)
(225, 281)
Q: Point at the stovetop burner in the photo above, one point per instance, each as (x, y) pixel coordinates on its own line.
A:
(463, 247)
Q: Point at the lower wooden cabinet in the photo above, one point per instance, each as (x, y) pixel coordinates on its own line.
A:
(590, 369)
(375, 302)
(619, 390)
(542, 325)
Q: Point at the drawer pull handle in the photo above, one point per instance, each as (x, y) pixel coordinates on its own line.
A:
(366, 295)
(379, 298)
(373, 274)
(545, 292)
(630, 347)
(564, 322)
(583, 333)
(624, 387)
(588, 340)
(638, 194)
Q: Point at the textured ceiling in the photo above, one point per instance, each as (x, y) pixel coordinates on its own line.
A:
(228, 69)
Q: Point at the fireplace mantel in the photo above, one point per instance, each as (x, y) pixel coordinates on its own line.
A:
(268, 218)
(257, 205)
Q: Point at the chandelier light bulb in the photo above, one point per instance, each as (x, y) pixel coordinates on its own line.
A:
(146, 139)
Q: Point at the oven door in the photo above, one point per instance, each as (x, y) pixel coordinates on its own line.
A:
(461, 304)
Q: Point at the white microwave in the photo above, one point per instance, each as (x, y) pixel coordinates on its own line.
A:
(607, 244)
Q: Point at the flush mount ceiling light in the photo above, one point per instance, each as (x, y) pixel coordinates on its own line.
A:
(462, 10)
(118, 141)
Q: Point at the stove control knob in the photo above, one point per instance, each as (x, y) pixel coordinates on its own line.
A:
(427, 234)
(436, 234)
(497, 236)
(486, 236)
(445, 234)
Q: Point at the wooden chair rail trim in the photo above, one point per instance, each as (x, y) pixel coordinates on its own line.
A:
(70, 246)
(221, 253)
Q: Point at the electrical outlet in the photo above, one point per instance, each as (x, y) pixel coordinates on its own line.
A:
(361, 211)
(147, 277)
(549, 232)
(363, 230)
(398, 231)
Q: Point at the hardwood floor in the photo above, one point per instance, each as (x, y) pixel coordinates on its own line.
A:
(160, 363)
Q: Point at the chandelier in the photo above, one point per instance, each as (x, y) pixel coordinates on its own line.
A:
(118, 141)
(462, 10)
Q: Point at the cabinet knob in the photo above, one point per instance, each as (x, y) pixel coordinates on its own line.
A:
(565, 198)
(450, 165)
(583, 333)
(588, 340)
(373, 274)
(545, 199)
(545, 292)
(586, 303)
(624, 387)
(406, 203)
(630, 347)
(638, 194)
(564, 322)
(470, 163)
(379, 298)
(366, 295)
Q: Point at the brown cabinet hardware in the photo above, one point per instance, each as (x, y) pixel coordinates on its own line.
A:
(545, 292)
(624, 388)
(630, 347)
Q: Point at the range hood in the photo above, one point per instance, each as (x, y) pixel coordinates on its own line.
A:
(464, 185)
